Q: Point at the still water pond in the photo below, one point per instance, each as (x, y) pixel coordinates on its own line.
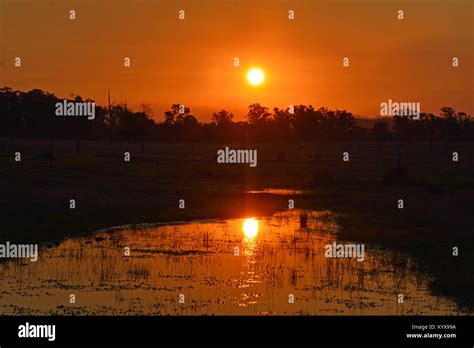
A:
(228, 267)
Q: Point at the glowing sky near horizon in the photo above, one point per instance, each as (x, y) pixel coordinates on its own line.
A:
(190, 62)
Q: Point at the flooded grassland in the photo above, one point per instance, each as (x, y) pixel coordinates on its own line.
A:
(273, 265)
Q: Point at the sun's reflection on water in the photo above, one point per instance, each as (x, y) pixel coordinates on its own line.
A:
(250, 228)
(240, 266)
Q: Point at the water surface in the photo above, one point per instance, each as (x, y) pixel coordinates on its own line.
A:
(229, 267)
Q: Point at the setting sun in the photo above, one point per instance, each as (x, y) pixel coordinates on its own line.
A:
(255, 76)
(250, 227)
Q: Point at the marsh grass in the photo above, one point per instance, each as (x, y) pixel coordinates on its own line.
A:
(109, 192)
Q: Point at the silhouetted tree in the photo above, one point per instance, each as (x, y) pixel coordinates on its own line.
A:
(258, 114)
(176, 115)
(32, 114)
(222, 117)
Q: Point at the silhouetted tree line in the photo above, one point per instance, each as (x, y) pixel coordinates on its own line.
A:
(32, 114)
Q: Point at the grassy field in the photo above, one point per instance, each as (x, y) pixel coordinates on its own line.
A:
(437, 192)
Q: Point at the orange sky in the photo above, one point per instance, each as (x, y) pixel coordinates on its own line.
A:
(191, 62)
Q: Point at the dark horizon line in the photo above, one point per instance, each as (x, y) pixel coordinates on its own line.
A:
(150, 114)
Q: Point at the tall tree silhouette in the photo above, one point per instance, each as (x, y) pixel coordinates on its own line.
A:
(257, 114)
(222, 117)
(32, 114)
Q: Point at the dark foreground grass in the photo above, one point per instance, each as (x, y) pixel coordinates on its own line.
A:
(438, 195)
